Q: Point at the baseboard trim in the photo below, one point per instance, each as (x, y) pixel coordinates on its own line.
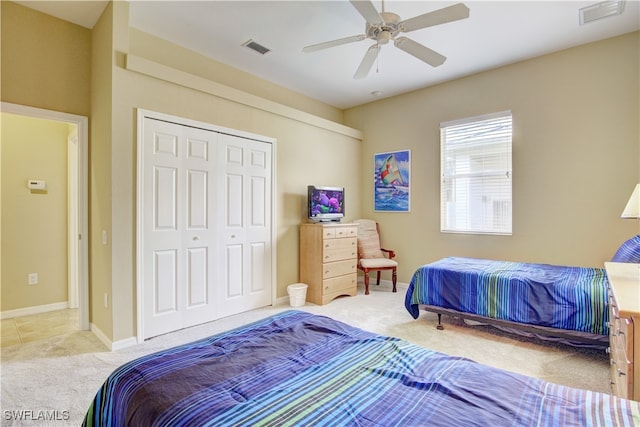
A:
(372, 284)
(125, 343)
(27, 311)
(399, 285)
(101, 336)
(113, 345)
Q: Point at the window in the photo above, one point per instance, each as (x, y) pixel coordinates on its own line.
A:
(475, 163)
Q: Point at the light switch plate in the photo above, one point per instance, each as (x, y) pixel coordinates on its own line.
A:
(32, 278)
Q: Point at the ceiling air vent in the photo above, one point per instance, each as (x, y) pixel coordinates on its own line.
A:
(256, 47)
(600, 10)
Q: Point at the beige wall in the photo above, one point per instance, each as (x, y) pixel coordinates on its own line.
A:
(100, 163)
(575, 156)
(34, 223)
(305, 154)
(167, 53)
(45, 61)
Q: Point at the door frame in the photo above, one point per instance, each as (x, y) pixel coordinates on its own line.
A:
(141, 115)
(79, 214)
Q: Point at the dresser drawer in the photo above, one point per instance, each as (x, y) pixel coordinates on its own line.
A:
(621, 371)
(339, 268)
(331, 255)
(623, 386)
(329, 233)
(339, 249)
(338, 284)
(340, 243)
(624, 336)
(346, 232)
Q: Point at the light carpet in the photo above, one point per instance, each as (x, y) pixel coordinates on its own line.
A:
(58, 377)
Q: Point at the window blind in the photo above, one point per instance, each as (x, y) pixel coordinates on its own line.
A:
(475, 165)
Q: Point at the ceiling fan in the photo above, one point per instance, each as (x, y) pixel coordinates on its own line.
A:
(385, 26)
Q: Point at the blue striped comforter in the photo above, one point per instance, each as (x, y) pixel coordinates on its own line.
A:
(296, 368)
(570, 298)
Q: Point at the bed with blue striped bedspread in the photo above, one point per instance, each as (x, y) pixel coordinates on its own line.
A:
(560, 297)
(296, 368)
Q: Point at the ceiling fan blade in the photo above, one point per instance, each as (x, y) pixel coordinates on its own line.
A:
(332, 43)
(367, 62)
(437, 17)
(368, 11)
(421, 52)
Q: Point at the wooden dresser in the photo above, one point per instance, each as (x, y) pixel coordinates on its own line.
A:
(329, 260)
(624, 328)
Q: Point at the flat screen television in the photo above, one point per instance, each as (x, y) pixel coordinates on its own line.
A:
(325, 203)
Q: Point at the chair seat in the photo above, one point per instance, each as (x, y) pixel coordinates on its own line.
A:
(378, 263)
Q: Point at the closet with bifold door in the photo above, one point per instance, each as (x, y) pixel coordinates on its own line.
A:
(205, 223)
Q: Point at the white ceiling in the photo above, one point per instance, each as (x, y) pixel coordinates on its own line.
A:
(495, 34)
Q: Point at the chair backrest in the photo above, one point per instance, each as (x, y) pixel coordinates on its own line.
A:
(368, 239)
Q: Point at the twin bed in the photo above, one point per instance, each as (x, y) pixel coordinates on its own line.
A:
(568, 303)
(550, 301)
(296, 368)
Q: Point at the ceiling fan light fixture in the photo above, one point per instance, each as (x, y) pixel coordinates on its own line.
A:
(601, 10)
(383, 37)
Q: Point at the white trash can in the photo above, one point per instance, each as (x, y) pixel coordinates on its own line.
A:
(297, 294)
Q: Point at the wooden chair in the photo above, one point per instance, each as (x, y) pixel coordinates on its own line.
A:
(371, 257)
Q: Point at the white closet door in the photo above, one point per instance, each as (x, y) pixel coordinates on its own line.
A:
(200, 240)
(179, 227)
(244, 224)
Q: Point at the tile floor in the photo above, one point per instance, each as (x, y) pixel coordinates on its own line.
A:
(20, 330)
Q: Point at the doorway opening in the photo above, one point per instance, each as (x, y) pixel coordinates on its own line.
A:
(77, 211)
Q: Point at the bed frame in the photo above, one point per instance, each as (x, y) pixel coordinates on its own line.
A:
(575, 338)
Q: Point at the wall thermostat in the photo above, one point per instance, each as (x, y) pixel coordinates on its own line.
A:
(36, 184)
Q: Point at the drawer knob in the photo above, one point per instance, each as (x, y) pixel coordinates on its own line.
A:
(612, 362)
(620, 332)
(621, 373)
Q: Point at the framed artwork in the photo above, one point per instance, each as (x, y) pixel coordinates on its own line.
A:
(392, 178)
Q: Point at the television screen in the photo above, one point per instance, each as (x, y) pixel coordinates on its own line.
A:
(325, 203)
